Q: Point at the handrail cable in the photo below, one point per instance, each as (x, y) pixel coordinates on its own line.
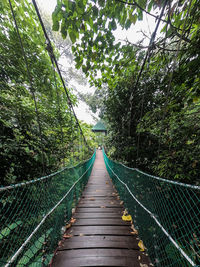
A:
(44, 219)
(155, 219)
(12, 186)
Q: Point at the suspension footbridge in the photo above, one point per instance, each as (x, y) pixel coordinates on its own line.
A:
(39, 226)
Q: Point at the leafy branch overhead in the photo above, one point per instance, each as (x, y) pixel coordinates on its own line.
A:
(91, 24)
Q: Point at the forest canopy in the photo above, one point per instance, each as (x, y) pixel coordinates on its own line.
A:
(148, 95)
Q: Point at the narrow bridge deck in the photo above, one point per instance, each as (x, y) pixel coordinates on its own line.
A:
(99, 236)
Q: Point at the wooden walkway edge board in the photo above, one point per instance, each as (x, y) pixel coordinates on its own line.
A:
(99, 236)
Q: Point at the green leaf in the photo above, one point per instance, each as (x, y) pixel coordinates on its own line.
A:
(55, 26)
(150, 5)
(128, 24)
(95, 11)
(101, 3)
(196, 99)
(6, 231)
(140, 14)
(72, 36)
(113, 25)
(189, 142)
(133, 18)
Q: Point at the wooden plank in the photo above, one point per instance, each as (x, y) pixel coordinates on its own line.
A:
(100, 230)
(100, 189)
(105, 238)
(98, 194)
(95, 199)
(90, 215)
(90, 244)
(98, 205)
(100, 209)
(99, 197)
(97, 261)
(106, 221)
(104, 202)
(102, 252)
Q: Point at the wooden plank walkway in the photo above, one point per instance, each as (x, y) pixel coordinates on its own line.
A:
(99, 236)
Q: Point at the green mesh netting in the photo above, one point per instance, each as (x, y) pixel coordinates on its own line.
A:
(166, 214)
(33, 215)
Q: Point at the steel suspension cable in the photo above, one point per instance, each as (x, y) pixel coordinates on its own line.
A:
(52, 55)
(146, 59)
(172, 74)
(150, 46)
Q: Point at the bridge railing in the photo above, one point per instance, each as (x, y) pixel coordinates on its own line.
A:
(165, 213)
(33, 215)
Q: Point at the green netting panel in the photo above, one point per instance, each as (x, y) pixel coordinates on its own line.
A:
(166, 214)
(33, 215)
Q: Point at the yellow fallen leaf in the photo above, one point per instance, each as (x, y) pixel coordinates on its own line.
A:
(141, 245)
(68, 225)
(133, 228)
(73, 210)
(73, 220)
(67, 236)
(111, 202)
(127, 218)
(81, 234)
(107, 182)
(103, 207)
(121, 203)
(134, 232)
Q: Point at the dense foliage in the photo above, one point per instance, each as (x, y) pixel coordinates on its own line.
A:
(38, 130)
(151, 99)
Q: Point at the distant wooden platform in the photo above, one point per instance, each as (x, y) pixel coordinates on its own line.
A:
(99, 236)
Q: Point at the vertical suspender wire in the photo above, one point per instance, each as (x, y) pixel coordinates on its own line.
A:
(79, 144)
(72, 136)
(59, 113)
(146, 59)
(141, 114)
(171, 76)
(82, 152)
(31, 84)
